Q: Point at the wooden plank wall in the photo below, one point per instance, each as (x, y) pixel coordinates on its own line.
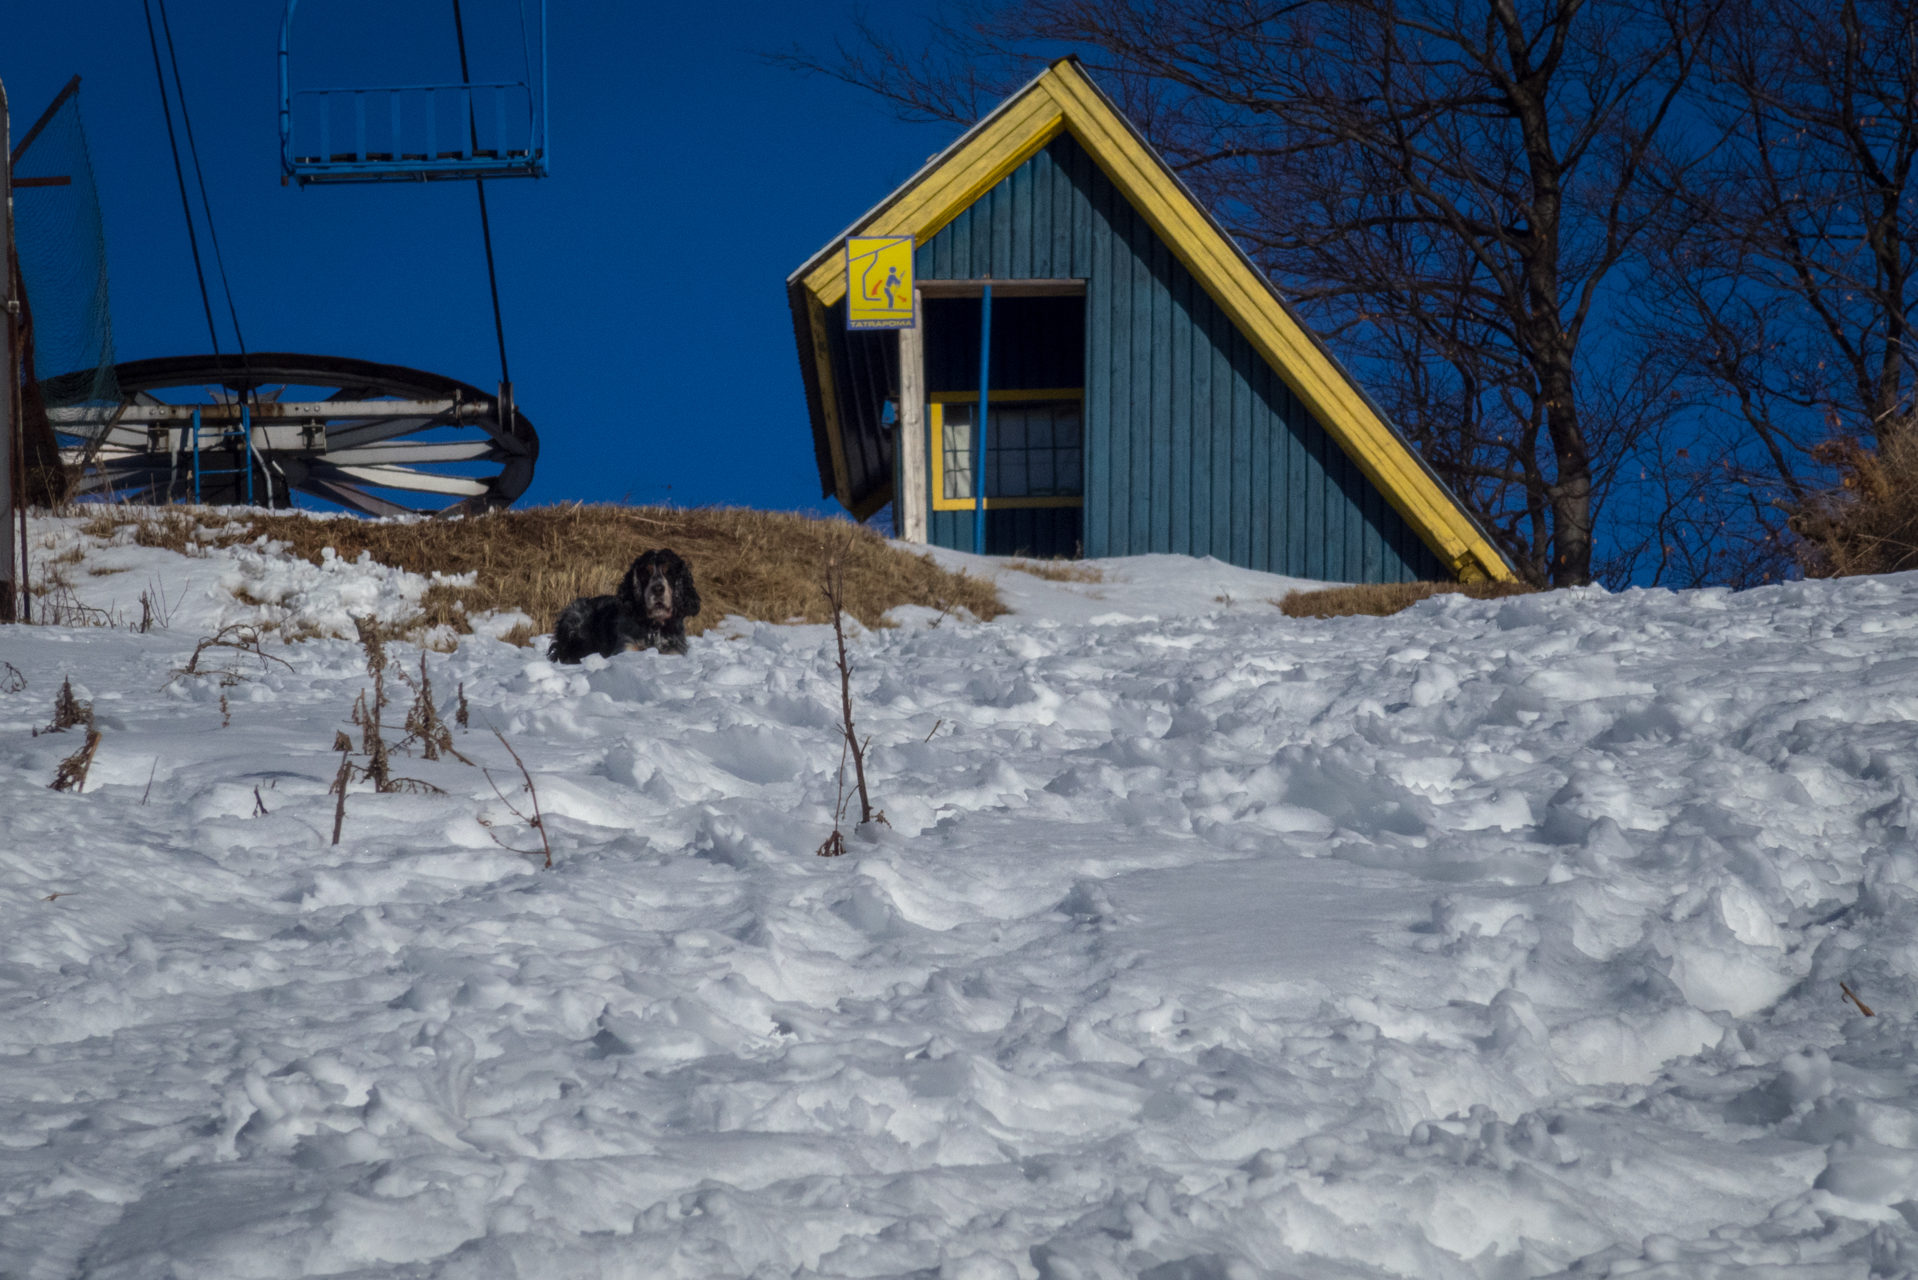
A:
(1193, 444)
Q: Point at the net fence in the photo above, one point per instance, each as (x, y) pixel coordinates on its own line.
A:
(71, 393)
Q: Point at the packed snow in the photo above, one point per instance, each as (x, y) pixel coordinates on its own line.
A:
(1494, 939)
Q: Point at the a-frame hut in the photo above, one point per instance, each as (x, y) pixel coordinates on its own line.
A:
(1148, 389)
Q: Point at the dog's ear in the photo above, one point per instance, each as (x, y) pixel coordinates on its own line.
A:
(628, 591)
(685, 594)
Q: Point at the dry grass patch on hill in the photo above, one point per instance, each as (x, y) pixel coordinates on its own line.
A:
(1869, 523)
(762, 565)
(1380, 600)
(1059, 570)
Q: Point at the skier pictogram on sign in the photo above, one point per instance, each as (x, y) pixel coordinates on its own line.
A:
(879, 283)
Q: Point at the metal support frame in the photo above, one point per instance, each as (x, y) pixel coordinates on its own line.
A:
(226, 437)
(387, 428)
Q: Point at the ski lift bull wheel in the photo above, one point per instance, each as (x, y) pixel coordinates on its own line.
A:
(347, 431)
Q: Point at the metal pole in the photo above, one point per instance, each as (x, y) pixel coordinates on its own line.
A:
(286, 97)
(246, 454)
(545, 126)
(979, 426)
(196, 457)
(9, 384)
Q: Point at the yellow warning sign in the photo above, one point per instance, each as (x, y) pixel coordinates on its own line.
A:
(879, 282)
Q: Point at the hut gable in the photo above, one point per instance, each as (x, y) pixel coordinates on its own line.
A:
(1211, 422)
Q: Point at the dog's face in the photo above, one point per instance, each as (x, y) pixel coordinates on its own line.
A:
(653, 586)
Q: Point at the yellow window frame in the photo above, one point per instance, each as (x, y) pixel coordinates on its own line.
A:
(936, 423)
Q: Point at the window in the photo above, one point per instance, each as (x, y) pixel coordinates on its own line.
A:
(1035, 450)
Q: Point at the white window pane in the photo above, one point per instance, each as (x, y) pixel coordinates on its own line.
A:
(958, 451)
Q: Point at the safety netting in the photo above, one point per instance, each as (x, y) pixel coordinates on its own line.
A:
(70, 393)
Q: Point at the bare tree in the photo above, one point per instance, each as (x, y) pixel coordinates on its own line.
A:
(1448, 188)
(1785, 275)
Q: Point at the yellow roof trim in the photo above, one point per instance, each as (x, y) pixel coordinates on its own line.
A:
(982, 160)
(1063, 98)
(1249, 301)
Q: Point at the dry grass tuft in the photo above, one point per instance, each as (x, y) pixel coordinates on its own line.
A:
(1380, 600)
(68, 710)
(72, 774)
(1870, 523)
(1059, 570)
(762, 565)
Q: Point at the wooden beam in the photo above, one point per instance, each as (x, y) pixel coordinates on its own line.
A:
(1003, 288)
(911, 499)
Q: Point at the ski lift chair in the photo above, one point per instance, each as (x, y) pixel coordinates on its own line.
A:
(415, 133)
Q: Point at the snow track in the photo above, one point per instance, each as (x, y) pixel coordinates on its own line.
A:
(1492, 940)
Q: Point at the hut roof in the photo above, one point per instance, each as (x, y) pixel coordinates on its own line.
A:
(1064, 99)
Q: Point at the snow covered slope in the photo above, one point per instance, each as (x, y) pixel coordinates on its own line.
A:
(1491, 940)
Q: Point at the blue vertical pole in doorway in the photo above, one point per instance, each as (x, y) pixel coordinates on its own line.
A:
(979, 426)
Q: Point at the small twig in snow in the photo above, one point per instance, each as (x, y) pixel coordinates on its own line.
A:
(836, 842)
(234, 635)
(537, 822)
(340, 782)
(833, 583)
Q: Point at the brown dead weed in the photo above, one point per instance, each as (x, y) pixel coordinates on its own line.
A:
(761, 565)
(1869, 523)
(1059, 570)
(1383, 599)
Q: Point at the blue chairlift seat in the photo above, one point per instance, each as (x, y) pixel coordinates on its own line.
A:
(412, 133)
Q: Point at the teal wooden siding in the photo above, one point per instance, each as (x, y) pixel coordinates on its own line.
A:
(1046, 532)
(1193, 444)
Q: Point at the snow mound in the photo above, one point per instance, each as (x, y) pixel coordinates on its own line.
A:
(101, 581)
(1494, 939)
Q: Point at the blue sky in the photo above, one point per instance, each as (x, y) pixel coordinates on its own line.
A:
(642, 282)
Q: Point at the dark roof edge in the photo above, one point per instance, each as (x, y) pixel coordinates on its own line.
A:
(809, 377)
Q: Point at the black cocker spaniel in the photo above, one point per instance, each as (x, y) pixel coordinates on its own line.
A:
(648, 611)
